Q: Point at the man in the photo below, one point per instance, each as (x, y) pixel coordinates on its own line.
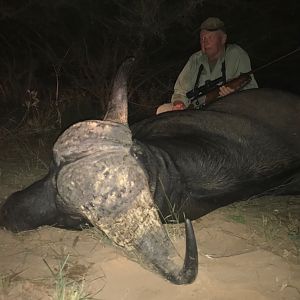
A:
(216, 60)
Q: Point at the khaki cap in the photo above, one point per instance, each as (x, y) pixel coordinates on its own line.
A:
(212, 24)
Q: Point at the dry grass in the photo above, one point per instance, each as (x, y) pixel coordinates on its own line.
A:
(8, 279)
(69, 283)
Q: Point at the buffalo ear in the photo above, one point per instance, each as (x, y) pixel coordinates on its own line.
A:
(118, 105)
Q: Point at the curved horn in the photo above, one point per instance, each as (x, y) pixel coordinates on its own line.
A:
(189, 271)
(118, 107)
(158, 254)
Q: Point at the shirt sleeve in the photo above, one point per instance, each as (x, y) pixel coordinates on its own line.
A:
(238, 62)
(184, 82)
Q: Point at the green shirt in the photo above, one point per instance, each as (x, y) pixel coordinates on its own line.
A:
(237, 61)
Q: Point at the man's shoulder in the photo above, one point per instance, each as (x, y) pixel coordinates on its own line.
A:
(196, 56)
(234, 49)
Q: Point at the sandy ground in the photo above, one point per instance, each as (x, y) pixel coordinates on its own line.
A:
(249, 250)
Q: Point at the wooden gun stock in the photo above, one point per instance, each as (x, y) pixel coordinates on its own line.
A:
(236, 84)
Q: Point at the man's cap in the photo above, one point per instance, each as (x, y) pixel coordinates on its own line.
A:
(212, 24)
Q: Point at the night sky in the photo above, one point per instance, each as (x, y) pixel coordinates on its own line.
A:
(61, 55)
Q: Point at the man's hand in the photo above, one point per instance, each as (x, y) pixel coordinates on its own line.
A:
(225, 90)
(178, 105)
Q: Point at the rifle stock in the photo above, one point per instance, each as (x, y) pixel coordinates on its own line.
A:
(236, 84)
(213, 95)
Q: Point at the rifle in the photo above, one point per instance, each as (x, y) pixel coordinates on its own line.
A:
(211, 88)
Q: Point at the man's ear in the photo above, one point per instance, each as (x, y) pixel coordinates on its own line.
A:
(224, 38)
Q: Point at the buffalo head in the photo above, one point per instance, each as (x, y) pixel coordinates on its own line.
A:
(96, 177)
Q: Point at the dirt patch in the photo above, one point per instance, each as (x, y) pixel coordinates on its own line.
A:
(249, 250)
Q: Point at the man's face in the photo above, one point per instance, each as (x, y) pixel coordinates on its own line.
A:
(212, 43)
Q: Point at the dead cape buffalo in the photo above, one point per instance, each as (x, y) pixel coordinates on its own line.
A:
(126, 180)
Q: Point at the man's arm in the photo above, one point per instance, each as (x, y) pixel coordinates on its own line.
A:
(184, 83)
(238, 62)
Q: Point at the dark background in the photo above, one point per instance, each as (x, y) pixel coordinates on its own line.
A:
(58, 58)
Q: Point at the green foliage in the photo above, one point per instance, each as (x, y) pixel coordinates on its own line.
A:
(237, 218)
(65, 287)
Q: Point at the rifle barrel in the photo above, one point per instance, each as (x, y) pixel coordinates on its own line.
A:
(275, 60)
